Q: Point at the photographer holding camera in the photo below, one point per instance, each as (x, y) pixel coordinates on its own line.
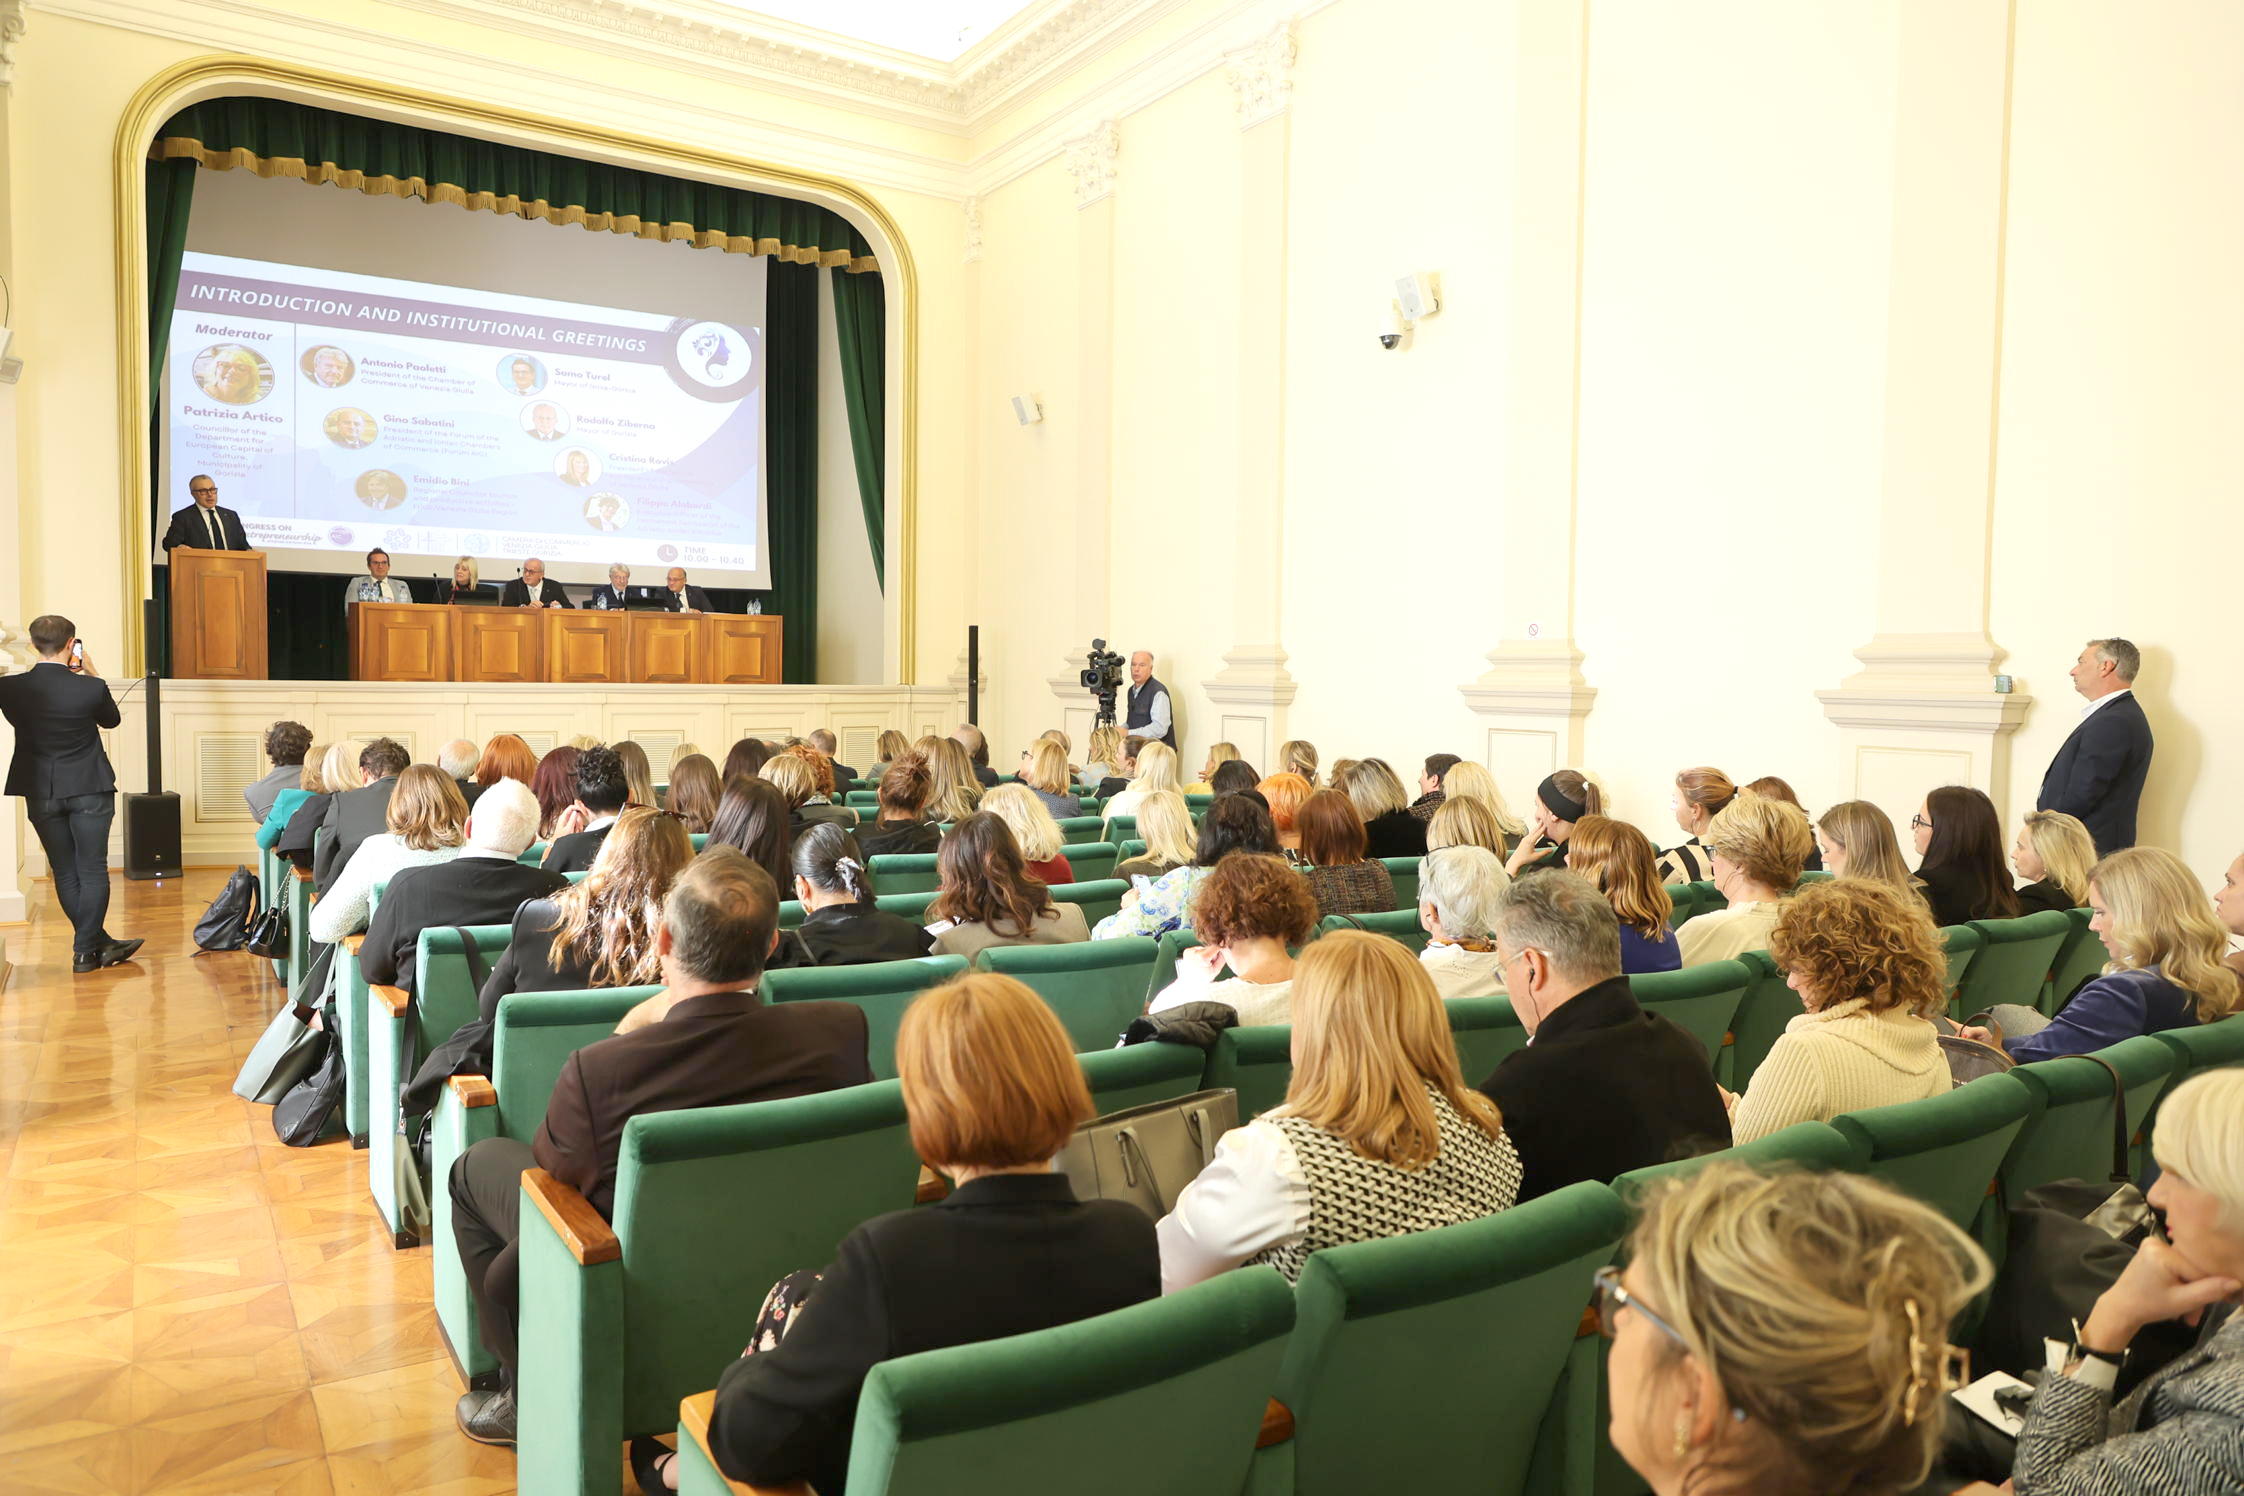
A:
(58, 708)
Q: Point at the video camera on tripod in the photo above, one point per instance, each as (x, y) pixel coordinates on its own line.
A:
(1102, 677)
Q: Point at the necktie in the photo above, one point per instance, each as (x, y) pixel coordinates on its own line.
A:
(210, 523)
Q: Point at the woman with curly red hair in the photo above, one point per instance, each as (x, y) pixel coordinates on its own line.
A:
(1871, 970)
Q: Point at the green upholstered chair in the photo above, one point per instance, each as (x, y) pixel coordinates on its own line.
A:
(1495, 1303)
(1171, 944)
(1399, 924)
(911, 906)
(1945, 1149)
(1257, 1062)
(2080, 958)
(1963, 944)
(790, 913)
(1165, 1396)
(1093, 862)
(1404, 872)
(1118, 829)
(862, 799)
(1486, 1029)
(1093, 803)
(1701, 1000)
(1198, 802)
(904, 872)
(578, 876)
(882, 988)
(700, 839)
(1095, 986)
(534, 854)
(300, 932)
(712, 1207)
(2199, 1047)
(347, 989)
(1694, 899)
(1096, 900)
(1816, 875)
(1124, 851)
(1082, 829)
(1141, 1075)
(1764, 1008)
(2068, 1135)
(1804, 1145)
(533, 1035)
(2014, 960)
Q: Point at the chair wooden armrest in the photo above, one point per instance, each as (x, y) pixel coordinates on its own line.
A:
(693, 1421)
(473, 1090)
(589, 1239)
(395, 999)
(303, 874)
(1277, 1425)
(1589, 1324)
(351, 943)
(932, 1187)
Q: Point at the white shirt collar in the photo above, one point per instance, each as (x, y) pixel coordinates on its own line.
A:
(2099, 701)
(599, 821)
(467, 852)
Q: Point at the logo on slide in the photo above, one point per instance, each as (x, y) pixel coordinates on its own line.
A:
(713, 360)
(340, 535)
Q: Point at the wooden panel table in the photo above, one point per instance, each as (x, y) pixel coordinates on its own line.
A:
(425, 642)
(217, 614)
(742, 649)
(401, 641)
(585, 644)
(498, 644)
(666, 648)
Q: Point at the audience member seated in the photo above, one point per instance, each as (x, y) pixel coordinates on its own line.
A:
(458, 758)
(1563, 798)
(1106, 761)
(1467, 821)
(1431, 789)
(796, 779)
(705, 1040)
(823, 740)
(1769, 787)
(285, 745)
(901, 826)
(1034, 831)
(338, 772)
(2166, 969)
(1153, 771)
(977, 747)
(1234, 823)
(752, 818)
(1343, 879)
(638, 774)
(1856, 840)
(889, 747)
(1783, 1332)
(1619, 861)
(1246, 912)
(2228, 908)
(1466, 780)
(841, 927)
(1165, 826)
(1390, 830)
(1757, 846)
(744, 760)
(1701, 794)
(993, 1093)
(1871, 971)
(556, 788)
(506, 756)
(988, 897)
(356, 814)
(2053, 854)
(1232, 776)
(483, 885)
(1045, 771)
(827, 798)
(603, 793)
(1963, 869)
(1603, 1087)
(289, 800)
(425, 817)
(599, 932)
(1458, 889)
(1298, 756)
(1285, 794)
(1219, 754)
(1378, 1136)
(695, 793)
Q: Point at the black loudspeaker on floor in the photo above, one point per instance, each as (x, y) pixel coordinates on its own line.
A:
(152, 835)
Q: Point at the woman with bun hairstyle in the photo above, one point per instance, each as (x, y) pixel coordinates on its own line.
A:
(1561, 799)
(1700, 795)
(841, 926)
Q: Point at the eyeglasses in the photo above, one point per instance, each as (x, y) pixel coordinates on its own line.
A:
(1613, 1296)
(1919, 823)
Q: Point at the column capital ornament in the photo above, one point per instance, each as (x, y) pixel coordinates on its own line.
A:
(1261, 75)
(12, 14)
(1090, 160)
(15, 638)
(973, 230)
(1539, 677)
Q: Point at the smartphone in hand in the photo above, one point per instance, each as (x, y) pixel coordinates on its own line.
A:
(78, 655)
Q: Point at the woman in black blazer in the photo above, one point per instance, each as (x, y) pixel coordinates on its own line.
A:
(1377, 792)
(2053, 854)
(1010, 1251)
(840, 925)
(1963, 872)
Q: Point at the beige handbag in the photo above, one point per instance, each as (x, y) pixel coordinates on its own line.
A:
(1148, 1154)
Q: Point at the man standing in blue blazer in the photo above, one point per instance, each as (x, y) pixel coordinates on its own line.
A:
(2098, 775)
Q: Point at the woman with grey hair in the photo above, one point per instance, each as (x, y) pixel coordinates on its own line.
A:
(1458, 890)
(612, 595)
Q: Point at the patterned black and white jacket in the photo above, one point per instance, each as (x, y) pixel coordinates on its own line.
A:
(2179, 1434)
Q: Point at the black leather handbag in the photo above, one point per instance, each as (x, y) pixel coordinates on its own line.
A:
(268, 934)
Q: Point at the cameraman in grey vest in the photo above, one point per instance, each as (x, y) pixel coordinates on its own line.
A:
(1148, 715)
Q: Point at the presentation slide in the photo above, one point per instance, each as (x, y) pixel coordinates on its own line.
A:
(339, 412)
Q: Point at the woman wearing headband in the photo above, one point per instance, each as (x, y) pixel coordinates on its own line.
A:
(1560, 800)
(841, 927)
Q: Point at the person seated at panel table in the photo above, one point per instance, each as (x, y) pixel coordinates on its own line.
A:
(707, 1039)
(683, 598)
(377, 585)
(611, 595)
(532, 590)
(467, 583)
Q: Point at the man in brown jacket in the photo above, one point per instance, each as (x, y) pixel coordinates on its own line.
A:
(706, 1039)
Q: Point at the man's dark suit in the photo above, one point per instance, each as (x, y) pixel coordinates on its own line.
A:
(516, 594)
(469, 890)
(987, 776)
(2098, 774)
(1605, 1088)
(606, 596)
(576, 852)
(352, 817)
(694, 598)
(718, 1049)
(68, 788)
(188, 528)
(843, 774)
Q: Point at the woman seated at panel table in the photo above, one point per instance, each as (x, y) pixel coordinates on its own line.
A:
(988, 897)
(841, 926)
(1246, 912)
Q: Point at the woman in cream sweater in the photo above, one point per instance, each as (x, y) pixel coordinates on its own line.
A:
(1871, 970)
(1758, 847)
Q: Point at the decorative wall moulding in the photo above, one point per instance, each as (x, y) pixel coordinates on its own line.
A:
(973, 230)
(1253, 675)
(11, 32)
(1090, 160)
(1261, 75)
(1926, 683)
(1542, 678)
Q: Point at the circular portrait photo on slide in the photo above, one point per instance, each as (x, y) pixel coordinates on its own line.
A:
(545, 421)
(577, 467)
(350, 428)
(714, 355)
(328, 366)
(607, 511)
(379, 488)
(521, 374)
(232, 373)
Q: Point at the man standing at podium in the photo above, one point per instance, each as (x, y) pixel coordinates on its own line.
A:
(204, 526)
(532, 590)
(377, 586)
(58, 708)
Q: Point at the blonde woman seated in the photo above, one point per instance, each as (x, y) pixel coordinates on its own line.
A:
(1156, 773)
(1872, 972)
(1377, 792)
(1246, 912)
(1470, 781)
(958, 793)
(796, 779)
(1034, 831)
(1285, 794)
(1235, 823)
(1785, 1332)
(1103, 756)
(1857, 841)
(1467, 821)
(890, 746)
(2053, 854)
(1044, 770)
(1458, 890)
(1701, 794)
(1342, 878)
(1758, 846)
(989, 898)
(1378, 1135)
(1298, 756)
(1219, 754)
(428, 824)
(1165, 826)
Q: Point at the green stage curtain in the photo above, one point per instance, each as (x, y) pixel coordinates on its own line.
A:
(277, 138)
(170, 187)
(861, 328)
(791, 460)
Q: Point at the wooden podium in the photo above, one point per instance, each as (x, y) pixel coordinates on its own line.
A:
(425, 642)
(401, 641)
(217, 615)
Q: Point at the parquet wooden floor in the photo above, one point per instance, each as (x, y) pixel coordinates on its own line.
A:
(186, 1306)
